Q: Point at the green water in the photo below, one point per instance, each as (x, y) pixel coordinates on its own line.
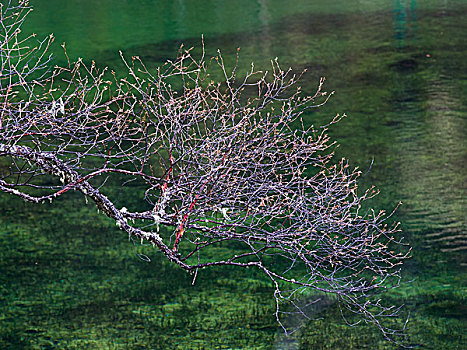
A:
(69, 279)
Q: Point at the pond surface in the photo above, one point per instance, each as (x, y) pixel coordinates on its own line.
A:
(70, 279)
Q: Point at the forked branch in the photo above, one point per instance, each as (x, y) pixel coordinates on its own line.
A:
(223, 160)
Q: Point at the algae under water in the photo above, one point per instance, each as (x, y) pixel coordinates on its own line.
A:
(70, 279)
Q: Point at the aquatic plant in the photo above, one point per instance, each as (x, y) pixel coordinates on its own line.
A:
(229, 172)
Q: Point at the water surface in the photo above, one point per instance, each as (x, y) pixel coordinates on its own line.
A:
(70, 279)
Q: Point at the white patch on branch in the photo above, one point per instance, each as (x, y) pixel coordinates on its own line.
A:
(57, 106)
(224, 213)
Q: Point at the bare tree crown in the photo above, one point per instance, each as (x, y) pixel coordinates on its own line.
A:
(225, 164)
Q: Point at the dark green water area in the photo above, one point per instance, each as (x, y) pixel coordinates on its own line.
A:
(69, 279)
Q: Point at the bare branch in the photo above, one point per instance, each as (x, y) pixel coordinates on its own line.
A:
(223, 160)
